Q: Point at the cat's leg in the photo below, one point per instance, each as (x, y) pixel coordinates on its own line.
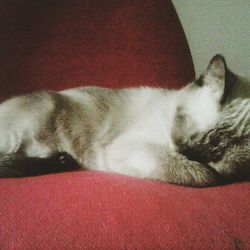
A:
(34, 158)
(235, 164)
(178, 169)
(224, 151)
(19, 165)
(206, 147)
(157, 162)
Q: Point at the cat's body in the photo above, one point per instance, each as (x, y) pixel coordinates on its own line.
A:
(128, 131)
(137, 131)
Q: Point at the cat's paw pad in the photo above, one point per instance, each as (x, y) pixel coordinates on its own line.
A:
(63, 158)
(66, 160)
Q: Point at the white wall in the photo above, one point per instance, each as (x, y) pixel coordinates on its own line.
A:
(217, 26)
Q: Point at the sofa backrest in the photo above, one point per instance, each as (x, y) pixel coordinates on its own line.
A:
(69, 43)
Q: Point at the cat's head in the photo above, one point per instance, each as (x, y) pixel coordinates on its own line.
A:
(200, 101)
(212, 83)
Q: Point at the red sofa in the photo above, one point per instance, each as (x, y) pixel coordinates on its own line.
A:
(115, 43)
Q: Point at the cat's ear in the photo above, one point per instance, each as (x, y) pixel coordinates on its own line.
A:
(216, 69)
(215, 76)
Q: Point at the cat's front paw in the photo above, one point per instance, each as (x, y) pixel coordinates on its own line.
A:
(193, 151)
(65, 161)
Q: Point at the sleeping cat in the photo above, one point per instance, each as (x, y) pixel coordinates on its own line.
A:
(142, 132)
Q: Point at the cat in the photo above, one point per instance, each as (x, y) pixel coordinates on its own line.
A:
(226, 146)
(139, 132)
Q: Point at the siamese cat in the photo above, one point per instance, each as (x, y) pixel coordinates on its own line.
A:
(151, 133)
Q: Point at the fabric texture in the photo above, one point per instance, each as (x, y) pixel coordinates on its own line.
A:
(62, 44)
(92, 210)
(68, 43)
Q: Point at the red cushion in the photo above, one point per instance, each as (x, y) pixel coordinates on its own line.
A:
(91, 210)
(59, 44)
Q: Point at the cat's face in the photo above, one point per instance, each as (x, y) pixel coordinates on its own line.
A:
(201, 102)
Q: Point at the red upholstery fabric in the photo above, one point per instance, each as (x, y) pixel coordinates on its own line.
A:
(69, 43)
(59, 44)
(90, 210)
